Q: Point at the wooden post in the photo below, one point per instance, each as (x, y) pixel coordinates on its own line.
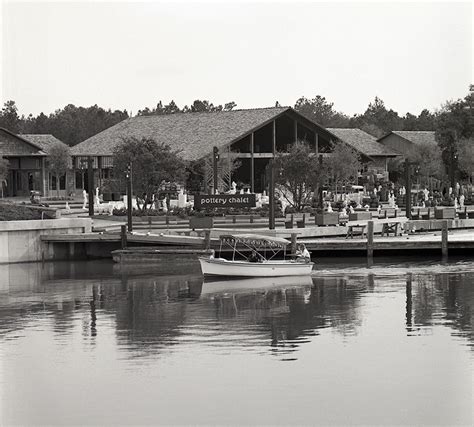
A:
(252, 164)
(296, 130)
(123, 236)
(293, 243)
(444, 238)
(316, 142)
(207, 239)
(408, 189)
(90, 178)
(129, 198)
(271, 195)
(370, 239)
(409, 304)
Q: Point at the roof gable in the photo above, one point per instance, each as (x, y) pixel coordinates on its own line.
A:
(414, 136)
(12, 145)
(362, 142)
(193, 134)
(45, 141)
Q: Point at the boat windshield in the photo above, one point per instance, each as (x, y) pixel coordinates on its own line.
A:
(257, 243)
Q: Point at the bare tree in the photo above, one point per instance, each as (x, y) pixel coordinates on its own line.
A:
(59, 158)
(342, 165)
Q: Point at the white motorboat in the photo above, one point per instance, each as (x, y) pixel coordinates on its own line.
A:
(265, 266)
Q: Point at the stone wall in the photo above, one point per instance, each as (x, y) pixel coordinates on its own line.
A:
(20, 241)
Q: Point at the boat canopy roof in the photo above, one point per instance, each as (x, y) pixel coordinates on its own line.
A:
(255, 240)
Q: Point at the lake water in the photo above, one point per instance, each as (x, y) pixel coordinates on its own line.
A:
(89, 344)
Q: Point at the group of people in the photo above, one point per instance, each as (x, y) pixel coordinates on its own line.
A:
(302, 255)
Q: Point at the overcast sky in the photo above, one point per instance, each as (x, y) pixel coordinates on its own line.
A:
(125, 55)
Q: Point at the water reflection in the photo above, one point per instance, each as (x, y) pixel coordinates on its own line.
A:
(389, 337)
(151, 313)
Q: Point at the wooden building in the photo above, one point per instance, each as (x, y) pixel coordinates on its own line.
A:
(374, 155)
(27, 163)
(253, 136)
(404, 141)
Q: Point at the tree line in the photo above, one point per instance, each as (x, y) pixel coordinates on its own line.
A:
(73, 124)
(453, 122)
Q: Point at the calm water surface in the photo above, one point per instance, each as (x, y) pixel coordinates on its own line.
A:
(88, 344)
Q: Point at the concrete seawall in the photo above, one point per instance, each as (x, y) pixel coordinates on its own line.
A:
(20, 241)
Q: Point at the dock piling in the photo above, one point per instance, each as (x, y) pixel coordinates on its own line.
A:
(207, 239)
(123, 236)
(370, 239)
(444, 238)
(293, 243)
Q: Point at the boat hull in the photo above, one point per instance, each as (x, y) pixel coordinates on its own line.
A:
(221, 267)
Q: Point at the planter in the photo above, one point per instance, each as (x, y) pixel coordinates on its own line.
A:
(327, 218)
(360, 216)
(445, 213)
(204, 222)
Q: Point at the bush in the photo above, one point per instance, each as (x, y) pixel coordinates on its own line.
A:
(13, 212)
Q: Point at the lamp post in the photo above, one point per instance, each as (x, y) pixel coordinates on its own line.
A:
(82, 165)
(408, 189)
(215, 159)
(408, 185)
(128, 174)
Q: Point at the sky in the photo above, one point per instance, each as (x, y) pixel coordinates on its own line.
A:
(130, 55)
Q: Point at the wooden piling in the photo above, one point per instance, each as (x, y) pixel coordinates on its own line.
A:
(293, 243)
(370, 239)
(444, 238)
(207, 239)
(123, 236)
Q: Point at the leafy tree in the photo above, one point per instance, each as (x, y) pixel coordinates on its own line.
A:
(429, 161)
(466, 157)
(152, 164)
(3, 171)
(455, 123)
(58, 162)
(342, 165)
(9, 118)
(321, 111)
(378, 118)
(297, 173)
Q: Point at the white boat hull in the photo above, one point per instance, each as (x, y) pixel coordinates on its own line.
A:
(222, 267)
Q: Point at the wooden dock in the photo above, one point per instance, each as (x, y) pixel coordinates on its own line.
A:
(442, 240)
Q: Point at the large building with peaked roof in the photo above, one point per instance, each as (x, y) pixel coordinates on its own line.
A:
(252, 135)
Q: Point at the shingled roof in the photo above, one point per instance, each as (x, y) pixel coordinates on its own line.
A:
(415, 136)
(362, 142)
(17, 146)
(45, 141)
(193, 134)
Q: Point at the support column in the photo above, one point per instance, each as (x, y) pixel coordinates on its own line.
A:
(252, 164)
(44, 180)
(271, 195)
(316, 142)
(296, 130)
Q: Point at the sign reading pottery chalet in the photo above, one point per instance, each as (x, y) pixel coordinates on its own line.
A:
(204, 201)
